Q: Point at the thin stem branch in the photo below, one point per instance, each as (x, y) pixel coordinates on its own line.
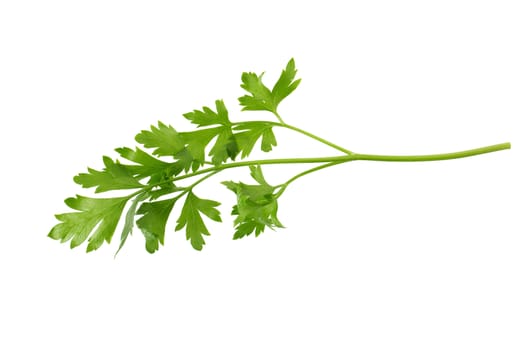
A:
(315, 137)
(202, 179)
(279, 118)
(309, 171)
(304, 132)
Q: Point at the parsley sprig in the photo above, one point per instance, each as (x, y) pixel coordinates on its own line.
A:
(166, 157)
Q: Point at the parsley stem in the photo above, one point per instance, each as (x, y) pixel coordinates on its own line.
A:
(338, 160)
(309, 171)
(433, 157)
(315, 137)
(279, 118)
(283, 186)
(202, 179)
(282, 124)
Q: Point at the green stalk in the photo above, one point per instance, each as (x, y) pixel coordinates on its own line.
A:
(201, 180)
(339, 160)
(433, 157)
(315, 137)
(283, 186)
(278, 117)
(282, 124)
(309, 171)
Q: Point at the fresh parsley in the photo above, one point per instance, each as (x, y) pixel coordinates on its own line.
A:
(157, 174)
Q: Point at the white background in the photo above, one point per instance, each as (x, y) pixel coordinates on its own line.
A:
(374, 256)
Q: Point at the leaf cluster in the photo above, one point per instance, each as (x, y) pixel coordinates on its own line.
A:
(154, 172)
(256, 206)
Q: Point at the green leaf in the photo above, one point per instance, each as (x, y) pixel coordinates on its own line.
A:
(114, 176)
(163, 139)
(250, 133)
(225, 146)
(196, 141)
(286, 83)
(257, 174)
(208, 117)
(95, 218)
(129, 221)
(153, 222)
(160, 172)
(191, 218)
(256, 206)
(186, 161)
(190, 147)
(261, 98)
(147, 165)
(163, 189)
